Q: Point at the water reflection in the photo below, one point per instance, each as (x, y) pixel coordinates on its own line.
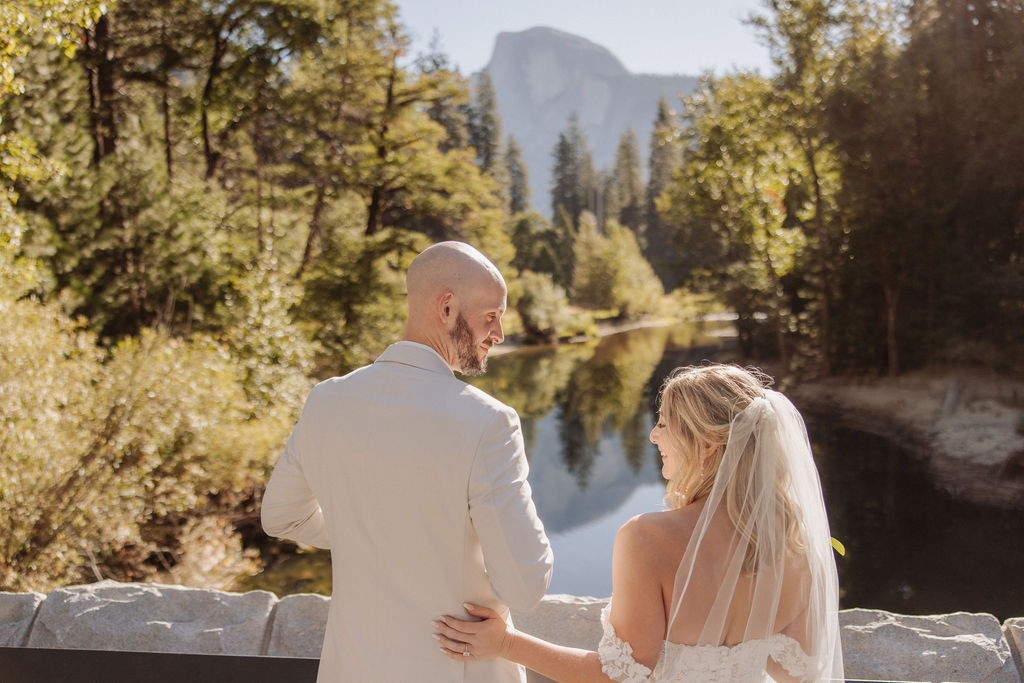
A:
(586, 411)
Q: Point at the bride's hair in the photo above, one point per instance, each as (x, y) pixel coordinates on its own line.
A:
(698, 405)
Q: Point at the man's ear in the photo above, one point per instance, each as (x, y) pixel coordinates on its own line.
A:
(446, 307)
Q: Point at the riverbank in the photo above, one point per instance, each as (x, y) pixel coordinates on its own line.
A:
(968, 424)
(604, 329)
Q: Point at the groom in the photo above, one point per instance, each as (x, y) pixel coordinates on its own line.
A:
(417, 483)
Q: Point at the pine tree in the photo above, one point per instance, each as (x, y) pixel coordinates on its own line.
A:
(629, 184)
(664, 158)
(485, 125)
(566, 172)
(518, 179)
(451, 111)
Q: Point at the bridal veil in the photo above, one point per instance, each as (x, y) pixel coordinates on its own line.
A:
(759, 565)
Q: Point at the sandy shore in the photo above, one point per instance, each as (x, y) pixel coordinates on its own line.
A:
(968, 424)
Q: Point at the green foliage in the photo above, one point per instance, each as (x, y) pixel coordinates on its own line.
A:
(518, 178)
(665, 156)
(734, 199)
(485, 124)
(354, 297)
(627, 184)
(276, 356)
(573, 179)
(98, 444)
(611, 272)
(21, 27)
(542, 306)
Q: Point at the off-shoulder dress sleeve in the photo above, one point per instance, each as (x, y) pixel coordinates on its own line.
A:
(616, 655)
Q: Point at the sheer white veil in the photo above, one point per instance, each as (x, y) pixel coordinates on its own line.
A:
(760, 562)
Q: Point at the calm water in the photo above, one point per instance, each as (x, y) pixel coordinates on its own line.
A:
(586, 412)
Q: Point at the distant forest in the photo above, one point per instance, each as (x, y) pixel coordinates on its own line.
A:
(206, 206)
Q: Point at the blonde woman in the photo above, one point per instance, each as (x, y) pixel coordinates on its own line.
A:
(734, 581)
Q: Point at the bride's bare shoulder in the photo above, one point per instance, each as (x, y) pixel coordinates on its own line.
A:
(660, 528)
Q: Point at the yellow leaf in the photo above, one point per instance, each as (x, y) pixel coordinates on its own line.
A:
(839, 547)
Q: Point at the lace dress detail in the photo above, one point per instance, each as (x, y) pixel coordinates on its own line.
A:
(744, 662)
(616, 655)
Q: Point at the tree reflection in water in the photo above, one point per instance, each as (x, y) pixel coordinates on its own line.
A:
(586, 410)
(596, 387)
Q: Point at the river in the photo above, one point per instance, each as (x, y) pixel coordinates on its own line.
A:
(586, 411)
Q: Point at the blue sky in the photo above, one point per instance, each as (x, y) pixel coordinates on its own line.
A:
(648, 36)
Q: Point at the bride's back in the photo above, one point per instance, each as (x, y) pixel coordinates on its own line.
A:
(704, 618)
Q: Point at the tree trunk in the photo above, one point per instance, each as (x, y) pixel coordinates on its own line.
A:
(375, 210)
(97, 59)
(891, 291)
(892, 297)
(168, 159)
(822, 254)
(213, 157)
(315, 229)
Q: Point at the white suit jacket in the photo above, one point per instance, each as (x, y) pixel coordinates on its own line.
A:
(416, 481)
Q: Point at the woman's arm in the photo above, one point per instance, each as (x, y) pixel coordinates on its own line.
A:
(637, 615)
(639, 566)
(492, 638)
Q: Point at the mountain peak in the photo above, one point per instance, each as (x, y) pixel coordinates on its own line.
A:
(542, 75)
(546, 46)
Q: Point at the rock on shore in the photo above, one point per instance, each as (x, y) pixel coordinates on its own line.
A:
(969, 425)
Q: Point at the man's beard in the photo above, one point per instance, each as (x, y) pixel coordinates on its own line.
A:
(470, 362)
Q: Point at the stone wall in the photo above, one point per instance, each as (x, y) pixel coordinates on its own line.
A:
(877, 645)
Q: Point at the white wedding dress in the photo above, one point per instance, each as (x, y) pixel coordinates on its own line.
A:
(744, 662)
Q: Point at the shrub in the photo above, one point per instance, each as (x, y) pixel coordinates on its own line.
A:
(96, 444)
(542, 306)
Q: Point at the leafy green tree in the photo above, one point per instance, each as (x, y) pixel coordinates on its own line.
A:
(543, 306)
(930, 189)
(801, 36)
(145, 431)
(611, 272)
(22, 27)
(730, 196)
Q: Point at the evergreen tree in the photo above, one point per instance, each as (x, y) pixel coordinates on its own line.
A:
(629, 184)
(451, 111)
(665, 156)
(591, 186)
(568, 192)
(609, 198)
(485, 124)
(518, 179)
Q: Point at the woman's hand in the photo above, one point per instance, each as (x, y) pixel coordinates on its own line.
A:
(474, 640)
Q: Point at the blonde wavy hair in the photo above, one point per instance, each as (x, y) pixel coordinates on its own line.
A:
(697, 405)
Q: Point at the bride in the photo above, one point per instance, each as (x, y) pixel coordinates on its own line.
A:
(734, 581)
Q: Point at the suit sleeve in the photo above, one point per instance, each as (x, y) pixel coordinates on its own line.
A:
(290, 509)
(516, 550)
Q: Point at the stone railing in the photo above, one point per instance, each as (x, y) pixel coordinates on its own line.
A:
(877, 645)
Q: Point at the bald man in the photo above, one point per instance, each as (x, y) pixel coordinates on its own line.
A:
(417, 483)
